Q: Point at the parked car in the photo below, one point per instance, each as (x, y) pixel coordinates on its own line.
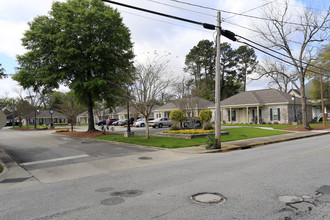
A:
(111, 120)
(102, 122)
(141, 122)
(161, 122)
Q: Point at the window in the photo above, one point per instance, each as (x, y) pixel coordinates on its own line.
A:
(275, 114)
(233, 115)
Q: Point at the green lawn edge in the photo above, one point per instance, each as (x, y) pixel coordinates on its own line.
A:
(171, 143)
(276, 126)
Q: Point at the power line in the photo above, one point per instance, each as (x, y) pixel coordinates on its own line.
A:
(205, 25)
(234, 13)
(225, 33)
(252, 30)
(251, 9)
(197, 12)
(280, 53)
(283, 60)
(166, 22)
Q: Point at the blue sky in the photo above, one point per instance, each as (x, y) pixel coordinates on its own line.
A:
(149, 32)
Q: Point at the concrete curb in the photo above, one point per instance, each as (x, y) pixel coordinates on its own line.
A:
(257, 144)
(5, 169)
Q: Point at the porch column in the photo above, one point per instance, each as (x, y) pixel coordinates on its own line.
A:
(247, 115)
(258, 115)
(230, 116)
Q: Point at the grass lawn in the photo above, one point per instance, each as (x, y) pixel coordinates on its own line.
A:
(166, 142)
(276, 126)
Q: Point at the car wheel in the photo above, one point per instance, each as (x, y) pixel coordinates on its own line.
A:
(142, 125)
(160, 125)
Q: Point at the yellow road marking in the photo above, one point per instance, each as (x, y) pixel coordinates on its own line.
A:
(312, 154)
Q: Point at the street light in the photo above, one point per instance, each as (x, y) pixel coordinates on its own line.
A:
(294, 107)
(35, 118)
(51, 112)
(14, 113)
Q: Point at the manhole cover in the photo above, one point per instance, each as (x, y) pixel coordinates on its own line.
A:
(127, 193)
(209, 198)
(112, 201)
(324, 190)
(145, 158)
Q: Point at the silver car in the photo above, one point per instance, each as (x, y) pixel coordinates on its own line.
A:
(160, 122)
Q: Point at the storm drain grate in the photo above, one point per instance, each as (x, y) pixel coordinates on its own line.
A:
(209, 198)
(14, 180)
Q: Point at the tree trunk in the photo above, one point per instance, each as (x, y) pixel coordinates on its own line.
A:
(303, 103)
(147, 127)
(91, 126)
(71, 124)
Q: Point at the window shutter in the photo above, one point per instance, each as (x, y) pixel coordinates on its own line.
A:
(271, 114)
(279, 114)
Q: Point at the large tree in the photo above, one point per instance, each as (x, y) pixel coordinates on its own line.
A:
(235, 66)
(82, 44)
(246, 63)
(150, 82)
(296, 34)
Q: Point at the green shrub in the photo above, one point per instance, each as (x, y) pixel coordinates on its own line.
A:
(212, 143)
(177, 116)
(205, 116)
(175, 128)
(1, 168)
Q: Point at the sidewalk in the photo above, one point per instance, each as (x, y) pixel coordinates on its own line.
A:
(253, 142)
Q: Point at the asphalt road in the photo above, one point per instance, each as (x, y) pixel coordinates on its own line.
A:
(41, 149)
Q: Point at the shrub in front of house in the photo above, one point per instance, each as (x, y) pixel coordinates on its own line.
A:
(177, 116)
(205, 116)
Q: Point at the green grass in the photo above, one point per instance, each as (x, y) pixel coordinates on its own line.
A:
(166, 142)
(276, 126)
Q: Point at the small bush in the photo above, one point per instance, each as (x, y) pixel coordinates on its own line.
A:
(275, 123)
(1, 168)
(177, 116)
(205, 115)
(175, 128)
(212, 143)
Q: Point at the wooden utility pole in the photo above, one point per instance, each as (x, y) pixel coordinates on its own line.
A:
(217, 85)
(322, 101)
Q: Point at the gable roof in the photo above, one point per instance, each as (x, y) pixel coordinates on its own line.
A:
(259, 97)
(198, 102)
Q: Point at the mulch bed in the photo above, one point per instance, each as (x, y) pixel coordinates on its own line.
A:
(320, 127)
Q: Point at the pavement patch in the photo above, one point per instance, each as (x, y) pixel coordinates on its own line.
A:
(112, 201)
(127, 193)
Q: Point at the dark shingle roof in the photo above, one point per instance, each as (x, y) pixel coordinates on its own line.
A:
(261, 97)
(199, 102)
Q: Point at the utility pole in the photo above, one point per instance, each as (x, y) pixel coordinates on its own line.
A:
(322, 100)
(217, 86)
